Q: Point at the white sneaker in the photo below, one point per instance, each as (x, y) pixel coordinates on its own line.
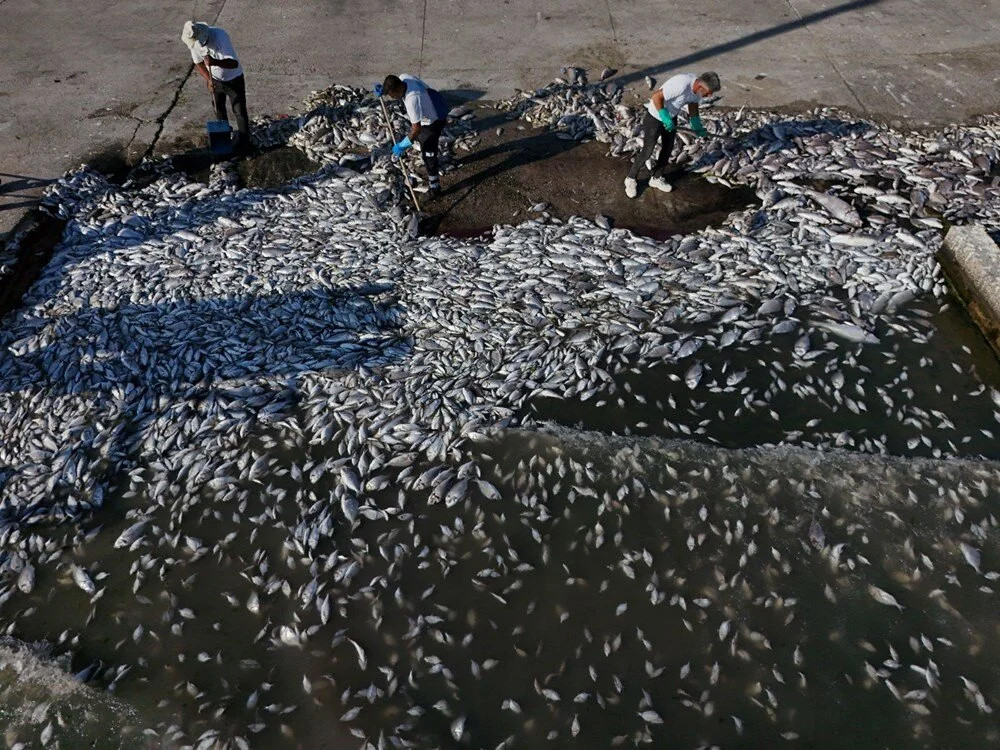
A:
(650, 163)
(631, 188)
(660, 184)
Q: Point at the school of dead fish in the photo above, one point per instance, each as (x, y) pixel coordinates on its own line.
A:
(282, 411)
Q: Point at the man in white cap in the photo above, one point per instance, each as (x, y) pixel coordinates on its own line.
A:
(215, 59)
(683, 90)
(427, 112)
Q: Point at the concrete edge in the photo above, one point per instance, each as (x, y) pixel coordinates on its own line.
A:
(970, 260)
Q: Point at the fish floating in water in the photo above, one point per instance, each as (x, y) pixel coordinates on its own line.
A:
(298, 411)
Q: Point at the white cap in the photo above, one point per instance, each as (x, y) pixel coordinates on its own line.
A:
(195, 32)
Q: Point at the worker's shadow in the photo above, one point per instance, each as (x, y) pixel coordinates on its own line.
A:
(171, 345)
(514, 153)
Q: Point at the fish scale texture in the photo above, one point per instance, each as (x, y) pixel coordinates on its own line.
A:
(295, 361)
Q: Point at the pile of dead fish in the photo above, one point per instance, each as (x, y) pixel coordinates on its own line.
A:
(287, 385)
(345, 125)
(580, 111)
(949, 172)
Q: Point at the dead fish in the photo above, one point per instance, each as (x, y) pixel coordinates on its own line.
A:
(26, 579)
(816, 536)
(848, 331)
(82, 579)
(128, 537)
(971, 555)
(884, 597)
(839, 209)
(349, 506)
(693, 375)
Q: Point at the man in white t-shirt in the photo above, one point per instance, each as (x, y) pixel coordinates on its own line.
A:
(427, 112)
(215, 60)
(659, 124)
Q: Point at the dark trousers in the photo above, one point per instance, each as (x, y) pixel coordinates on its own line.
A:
(652, 129)
(236, 91)
(428, 139)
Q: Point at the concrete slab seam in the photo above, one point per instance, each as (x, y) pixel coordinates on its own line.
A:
(829, 59)
(611, 20)
(423, 35)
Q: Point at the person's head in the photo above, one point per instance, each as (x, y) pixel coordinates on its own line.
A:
(706, 84)
(394, 87)
(195, 32)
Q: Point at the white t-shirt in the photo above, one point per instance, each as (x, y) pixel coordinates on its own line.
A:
(677, 94)
(419, 107)
(220, 48)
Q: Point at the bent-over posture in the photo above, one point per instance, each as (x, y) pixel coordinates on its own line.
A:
(427, 111)
(660, 124)
(215, 60)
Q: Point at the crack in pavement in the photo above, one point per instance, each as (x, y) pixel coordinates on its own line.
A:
(138, 124)
(173, 103)
(163, 117)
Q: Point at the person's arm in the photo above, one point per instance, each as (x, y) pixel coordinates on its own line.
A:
(414, 114)
(219, 51)
(204, 72)
(661, 109)
(695, 120)
(221, 62)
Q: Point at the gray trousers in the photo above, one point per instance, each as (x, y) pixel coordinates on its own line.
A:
(236, 91)
(653, 130)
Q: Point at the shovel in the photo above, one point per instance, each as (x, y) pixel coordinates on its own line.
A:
(402, 164)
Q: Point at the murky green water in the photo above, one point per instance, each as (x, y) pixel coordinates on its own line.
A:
(625, 589)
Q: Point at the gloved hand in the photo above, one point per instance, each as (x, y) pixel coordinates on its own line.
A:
(666, 119)
(698, 128)
(377, 88)
(400, 147)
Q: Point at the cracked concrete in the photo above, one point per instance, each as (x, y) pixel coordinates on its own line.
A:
(166, 113)
(915, 61)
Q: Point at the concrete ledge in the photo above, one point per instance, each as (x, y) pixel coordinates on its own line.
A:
(971, 262)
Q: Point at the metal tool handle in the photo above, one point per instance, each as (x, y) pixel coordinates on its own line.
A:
(402, 164)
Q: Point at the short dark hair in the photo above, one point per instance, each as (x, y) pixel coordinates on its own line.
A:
(710, 79)
(393, 86)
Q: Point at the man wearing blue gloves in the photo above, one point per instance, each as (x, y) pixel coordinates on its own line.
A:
(427, 112)
(660, 124)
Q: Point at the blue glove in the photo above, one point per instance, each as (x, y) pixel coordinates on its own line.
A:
(666, 119)
(377, 88)
(698, 128)
(400, 147)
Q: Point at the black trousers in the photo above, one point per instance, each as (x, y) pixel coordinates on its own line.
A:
(428, 139)
(236, 91)
(652, 129)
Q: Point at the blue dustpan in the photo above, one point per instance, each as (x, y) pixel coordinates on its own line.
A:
(220, 137)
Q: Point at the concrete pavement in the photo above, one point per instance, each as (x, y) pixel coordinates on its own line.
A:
(111, 81)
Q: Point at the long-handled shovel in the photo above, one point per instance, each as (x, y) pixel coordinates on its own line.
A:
(402, 164)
